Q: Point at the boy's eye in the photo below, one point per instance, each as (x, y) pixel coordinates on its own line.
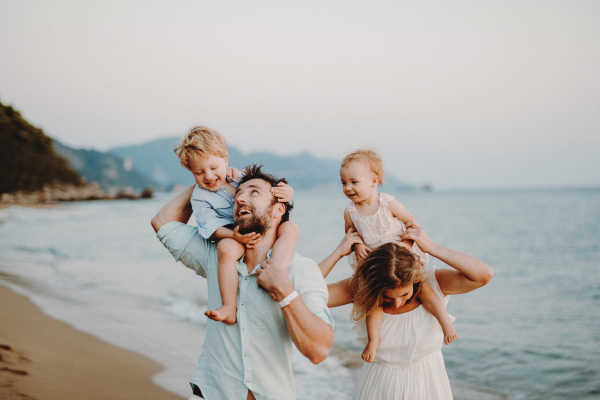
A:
(213, 168)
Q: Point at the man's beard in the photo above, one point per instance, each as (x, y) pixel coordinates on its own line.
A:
(256, 223)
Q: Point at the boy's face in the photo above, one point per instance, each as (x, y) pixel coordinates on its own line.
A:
(210, 173)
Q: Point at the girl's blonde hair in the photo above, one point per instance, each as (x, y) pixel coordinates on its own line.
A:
(202, 141)
(371, 159)
(386, 267)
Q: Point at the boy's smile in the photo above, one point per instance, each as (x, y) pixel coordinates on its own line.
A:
(210, 173)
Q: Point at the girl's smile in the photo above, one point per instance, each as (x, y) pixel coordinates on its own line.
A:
(358, 182)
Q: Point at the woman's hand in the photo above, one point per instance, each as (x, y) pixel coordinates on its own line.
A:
(345, 247)
(417, 234)
(248, 240)
(283, 192)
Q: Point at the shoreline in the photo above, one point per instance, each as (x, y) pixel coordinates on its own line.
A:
(43, 358)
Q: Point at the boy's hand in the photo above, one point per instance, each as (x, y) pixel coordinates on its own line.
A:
(233, 173)
(249, 239)
(283, 192)
(361, 251)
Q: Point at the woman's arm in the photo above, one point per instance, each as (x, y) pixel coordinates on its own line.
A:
(470, 273)
(178, 209)
(344, 248)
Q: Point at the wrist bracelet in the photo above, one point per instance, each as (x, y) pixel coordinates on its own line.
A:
(288, 299)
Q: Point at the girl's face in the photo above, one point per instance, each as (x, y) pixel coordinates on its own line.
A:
(358, 182)
(398, 296)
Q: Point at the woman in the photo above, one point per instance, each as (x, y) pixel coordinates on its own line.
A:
(409, 363)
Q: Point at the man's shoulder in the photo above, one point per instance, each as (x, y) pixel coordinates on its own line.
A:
(303, 267)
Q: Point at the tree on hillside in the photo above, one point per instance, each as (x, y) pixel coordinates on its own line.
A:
(28, 160)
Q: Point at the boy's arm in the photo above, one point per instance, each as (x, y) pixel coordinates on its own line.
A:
(248, 240)
(285, 245)
(400, 212)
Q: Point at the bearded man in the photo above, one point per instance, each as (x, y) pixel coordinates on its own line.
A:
(277, 304)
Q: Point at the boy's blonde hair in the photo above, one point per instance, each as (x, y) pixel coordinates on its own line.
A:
(370, 159)
(202, 141)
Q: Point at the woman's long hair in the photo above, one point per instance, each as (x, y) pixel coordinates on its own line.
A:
(386, 267)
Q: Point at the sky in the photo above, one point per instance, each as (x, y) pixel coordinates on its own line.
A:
(462, 94)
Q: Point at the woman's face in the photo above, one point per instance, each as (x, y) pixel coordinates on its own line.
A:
(398, 296)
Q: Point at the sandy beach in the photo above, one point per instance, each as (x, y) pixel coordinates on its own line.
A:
(42, 358)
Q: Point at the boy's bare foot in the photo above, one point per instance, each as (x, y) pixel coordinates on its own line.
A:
(370, 350)
(450, 334)
(224, 314)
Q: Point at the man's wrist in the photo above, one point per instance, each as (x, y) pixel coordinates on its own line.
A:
(284, 291)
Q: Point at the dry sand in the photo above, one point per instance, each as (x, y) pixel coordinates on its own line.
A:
(45, 359)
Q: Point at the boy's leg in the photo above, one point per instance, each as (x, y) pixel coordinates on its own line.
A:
(373, 326)
(228, 252)
(432, 303)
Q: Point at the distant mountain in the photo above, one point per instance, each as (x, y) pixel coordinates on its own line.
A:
(109, 171)
(157, 160)
(28, 160)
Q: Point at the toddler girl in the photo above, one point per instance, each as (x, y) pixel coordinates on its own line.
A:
(379, 219)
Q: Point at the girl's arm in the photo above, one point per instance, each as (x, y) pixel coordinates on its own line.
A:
(344, 248)
(470, 273)
(285, 245)
(400, 212)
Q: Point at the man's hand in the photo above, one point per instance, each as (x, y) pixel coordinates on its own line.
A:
(361, 251)
(248, 240)
(283, 192)
(275, 279)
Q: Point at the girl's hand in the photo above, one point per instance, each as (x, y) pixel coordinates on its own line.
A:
(283, 192)
(352, 238)
(416, 233)
(233, 173)
(361, 251)
(249, 239)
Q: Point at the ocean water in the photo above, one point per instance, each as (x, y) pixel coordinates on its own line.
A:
(532, 333)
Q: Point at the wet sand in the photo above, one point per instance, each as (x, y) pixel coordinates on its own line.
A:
(43, 358)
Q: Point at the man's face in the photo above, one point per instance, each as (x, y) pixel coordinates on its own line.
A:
(253, 207)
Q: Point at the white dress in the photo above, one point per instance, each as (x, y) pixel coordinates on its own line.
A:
(379, 228)
(409, 363)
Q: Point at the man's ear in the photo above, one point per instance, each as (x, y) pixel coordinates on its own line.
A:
(278, 210)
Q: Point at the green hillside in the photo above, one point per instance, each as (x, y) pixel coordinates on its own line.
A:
(28, 159)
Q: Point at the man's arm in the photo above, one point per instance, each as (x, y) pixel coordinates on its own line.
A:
(312, 336)
(178, 209)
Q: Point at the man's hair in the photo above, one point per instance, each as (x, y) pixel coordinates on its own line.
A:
(255, 172)
(202, 141)
(370, 159)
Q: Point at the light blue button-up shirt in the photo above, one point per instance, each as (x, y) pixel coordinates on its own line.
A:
(213, 209)
(255, 353)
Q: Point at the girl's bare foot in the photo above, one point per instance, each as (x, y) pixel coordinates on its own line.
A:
(450, 334)
(370, 350)
(224, 314)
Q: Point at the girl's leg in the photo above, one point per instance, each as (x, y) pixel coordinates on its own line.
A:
(373, 325)
(432, 303)
(228, 252)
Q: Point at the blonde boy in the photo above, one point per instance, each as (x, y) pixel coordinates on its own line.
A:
(203, 151)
